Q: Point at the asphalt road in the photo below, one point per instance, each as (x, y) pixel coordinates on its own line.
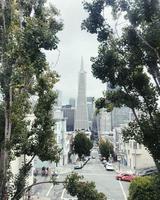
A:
(105, 180)
(93, 171)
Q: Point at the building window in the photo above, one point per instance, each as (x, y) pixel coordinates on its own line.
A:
(134, 145)
(130, 144)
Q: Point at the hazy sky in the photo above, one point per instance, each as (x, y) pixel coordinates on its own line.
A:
(74, 43)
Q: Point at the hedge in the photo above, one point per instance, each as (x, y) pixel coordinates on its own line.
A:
(145, 188)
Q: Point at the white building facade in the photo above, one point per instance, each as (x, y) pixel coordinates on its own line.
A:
(131, 154)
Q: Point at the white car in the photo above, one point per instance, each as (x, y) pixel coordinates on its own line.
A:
(109, 167)
(104, 162)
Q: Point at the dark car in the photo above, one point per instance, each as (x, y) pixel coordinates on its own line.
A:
(78, 166)
(148, 171)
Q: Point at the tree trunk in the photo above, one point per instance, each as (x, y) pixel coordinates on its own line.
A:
(5, 152)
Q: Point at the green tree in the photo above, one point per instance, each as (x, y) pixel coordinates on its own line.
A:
(145, 188)
(129, 60)
(83, 190)
(82, 145)
(27, 29)
(106, 148)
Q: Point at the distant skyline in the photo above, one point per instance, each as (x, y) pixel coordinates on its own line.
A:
(74, 43)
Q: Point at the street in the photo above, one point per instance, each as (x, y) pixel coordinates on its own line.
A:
(93, 171)
(105, 180)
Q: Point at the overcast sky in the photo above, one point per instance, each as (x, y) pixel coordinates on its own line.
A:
(74, 43)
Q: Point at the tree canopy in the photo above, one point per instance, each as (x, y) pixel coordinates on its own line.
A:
(83, 190)
(106, 149)
(82, 145)
(26, 86)
(129, 58)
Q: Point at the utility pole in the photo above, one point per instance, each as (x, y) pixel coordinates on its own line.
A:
(135, 154)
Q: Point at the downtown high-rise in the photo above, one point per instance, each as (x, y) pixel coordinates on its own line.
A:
(81, 114)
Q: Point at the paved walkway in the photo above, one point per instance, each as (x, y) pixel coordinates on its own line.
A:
(39, 198)
(65, 169)
(122, 168)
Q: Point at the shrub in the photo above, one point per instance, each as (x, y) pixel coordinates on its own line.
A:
(145, 188)
(83, 190)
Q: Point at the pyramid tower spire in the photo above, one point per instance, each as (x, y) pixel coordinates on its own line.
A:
(81, 113)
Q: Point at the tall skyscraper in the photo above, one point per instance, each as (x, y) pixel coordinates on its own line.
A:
(59, 98)
(90, 107)
(81, 115)
(68, 114)
(72, 102)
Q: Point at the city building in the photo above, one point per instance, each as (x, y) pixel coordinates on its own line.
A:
(81, 113)
(72, 102)
(108, 121)
(61, 136)
(131, 154)
(59, 99)
(69, 114)
(91, 110)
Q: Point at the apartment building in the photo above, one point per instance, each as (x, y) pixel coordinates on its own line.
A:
(131, 154)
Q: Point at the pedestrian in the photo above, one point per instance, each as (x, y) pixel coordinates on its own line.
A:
(46, 171)
(43, 171)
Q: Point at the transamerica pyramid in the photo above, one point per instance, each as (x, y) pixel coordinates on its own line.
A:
(81, 115)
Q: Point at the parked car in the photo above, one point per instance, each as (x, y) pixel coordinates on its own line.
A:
(109, 167)
(102, 158)
(119, 175)
(54, 174)
(128, 177)
(104, 162)
(125, 177)
(78, 166)
(148, 171)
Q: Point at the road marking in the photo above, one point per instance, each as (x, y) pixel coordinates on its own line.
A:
(70, 198)
(124, 194)
(49, 190)
(63, 193)
(98, 174)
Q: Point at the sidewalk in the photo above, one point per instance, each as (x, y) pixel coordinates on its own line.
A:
(64, 169)
(122, 168)
(40, 198)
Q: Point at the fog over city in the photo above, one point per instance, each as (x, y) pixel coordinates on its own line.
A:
(74, 43)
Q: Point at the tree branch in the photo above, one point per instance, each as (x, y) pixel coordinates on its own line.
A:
(39, 183)
(31, 160)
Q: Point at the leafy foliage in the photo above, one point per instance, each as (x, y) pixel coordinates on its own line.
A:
(129, 61)
(83, 190)
(144, 188)
(82, 145)
(2, 123)
(26, 83)
(106, 149)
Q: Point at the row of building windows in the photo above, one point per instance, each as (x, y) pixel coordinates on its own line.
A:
(134, 145)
